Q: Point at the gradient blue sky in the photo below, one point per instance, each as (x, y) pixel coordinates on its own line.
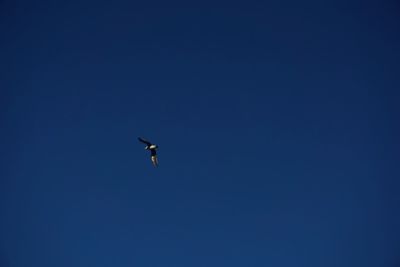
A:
(278, 127)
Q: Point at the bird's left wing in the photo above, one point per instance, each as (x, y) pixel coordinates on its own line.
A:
(144, 141)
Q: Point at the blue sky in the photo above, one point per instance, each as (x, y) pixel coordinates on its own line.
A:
(277, 124)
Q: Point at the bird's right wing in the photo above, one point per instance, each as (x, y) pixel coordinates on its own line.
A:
(144, 141)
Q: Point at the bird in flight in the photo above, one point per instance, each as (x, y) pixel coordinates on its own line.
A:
(153, 150)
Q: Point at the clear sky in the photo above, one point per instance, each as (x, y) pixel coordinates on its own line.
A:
(277, 122)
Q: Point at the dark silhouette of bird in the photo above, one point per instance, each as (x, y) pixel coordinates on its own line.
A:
(153, 150)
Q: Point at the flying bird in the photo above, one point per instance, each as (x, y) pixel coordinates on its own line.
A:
(153, 150)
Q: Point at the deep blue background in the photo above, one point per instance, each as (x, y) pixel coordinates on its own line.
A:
(278, 127)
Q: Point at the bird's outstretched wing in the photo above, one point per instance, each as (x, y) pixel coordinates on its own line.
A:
(144, 141)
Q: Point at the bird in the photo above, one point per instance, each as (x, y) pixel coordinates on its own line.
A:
(153, 150)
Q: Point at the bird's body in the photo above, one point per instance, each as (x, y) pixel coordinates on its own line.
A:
(153, 150)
